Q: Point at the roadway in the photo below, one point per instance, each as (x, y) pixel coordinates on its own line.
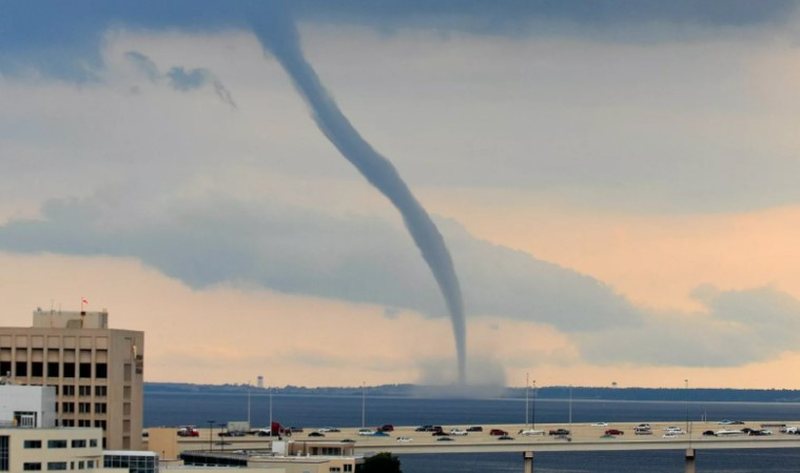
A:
(583, 437)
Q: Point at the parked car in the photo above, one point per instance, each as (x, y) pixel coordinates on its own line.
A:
(188, 431)
(614, 432)
(760, 432)
(558, 432)
(529, 432)
(498, 432)
(474, 428)
(730, 422)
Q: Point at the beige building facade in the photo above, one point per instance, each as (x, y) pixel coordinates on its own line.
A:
(52, 449)
(97, 372)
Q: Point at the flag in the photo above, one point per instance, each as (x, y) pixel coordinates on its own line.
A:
(84, 301)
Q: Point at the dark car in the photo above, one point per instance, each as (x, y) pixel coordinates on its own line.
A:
(316, 434)
(614, 432)
(386, 428)
(444, 439)
(498, 432)
(475, 428)
(440, 433)
(559, 432)
(297, 429)
(709, 433)
(424, 428)
(505, 437)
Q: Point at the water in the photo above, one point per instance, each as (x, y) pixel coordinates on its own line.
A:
(345, 411)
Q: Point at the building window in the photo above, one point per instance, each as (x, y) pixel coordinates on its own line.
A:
(69, 370)
(67, 422)
(85, 370)
(69, 391)
(56, 444)
(84, 391)
(21, 368)
(84, 423)
(37, 369)
(78, 443)
(348, 467)
(126, 370)
(52, 369)
(84, 407)
(53, 466)
(93, 442)
(67, 407)
(99, 407)
(80, 465)
(100, 391)
(3, 452)
(5, 368)
(101, 370)
(101, 424)
(126, 392)
(32, 466)
(32, 444)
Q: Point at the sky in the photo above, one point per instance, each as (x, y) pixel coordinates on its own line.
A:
(616, 183)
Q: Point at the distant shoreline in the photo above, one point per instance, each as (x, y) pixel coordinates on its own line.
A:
(543, 393)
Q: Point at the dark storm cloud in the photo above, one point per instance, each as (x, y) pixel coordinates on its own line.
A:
(361, 259)
(62, 39)
(299, 251)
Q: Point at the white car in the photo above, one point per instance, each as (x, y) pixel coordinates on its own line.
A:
(404, 439)
(789, 429)
(600, 424)
(365, 432)
(458, 432)
(528, 432)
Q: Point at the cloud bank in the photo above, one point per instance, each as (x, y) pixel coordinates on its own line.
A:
(363, 259)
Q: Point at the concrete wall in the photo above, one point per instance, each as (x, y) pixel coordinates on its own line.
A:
(40, 400)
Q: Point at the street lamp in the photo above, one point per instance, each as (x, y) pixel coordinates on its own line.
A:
(363, 404)
(527, 407)
(533, 410)
(210, 435)
(686, 391)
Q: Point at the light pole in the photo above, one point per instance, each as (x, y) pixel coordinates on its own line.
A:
(533, 410)
(210, 435)
(270, 412)
(248, 403)
(363, 404)
(686, 401)
(570, 405)
(527, 408)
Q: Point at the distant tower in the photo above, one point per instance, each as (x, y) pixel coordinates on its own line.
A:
(260, 381)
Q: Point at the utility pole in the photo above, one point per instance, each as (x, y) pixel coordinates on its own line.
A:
(527, 408)
(363, 404)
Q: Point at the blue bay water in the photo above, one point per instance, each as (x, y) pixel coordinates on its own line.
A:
(345, 411)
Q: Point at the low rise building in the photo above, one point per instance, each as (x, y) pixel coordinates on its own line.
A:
(51, 449)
